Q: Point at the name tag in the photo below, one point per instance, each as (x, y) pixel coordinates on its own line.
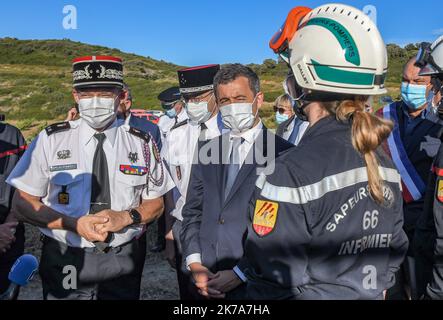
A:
(64, 167)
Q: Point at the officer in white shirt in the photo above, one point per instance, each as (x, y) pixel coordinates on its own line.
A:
(91, 186)
(205, 123)
(175, 114)
(175, 117)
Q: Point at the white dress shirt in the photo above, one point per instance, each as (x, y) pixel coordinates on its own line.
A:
(303, 127)
(179, 152)
(64, 160)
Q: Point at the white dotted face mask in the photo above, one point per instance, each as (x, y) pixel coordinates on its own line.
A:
(97, 112)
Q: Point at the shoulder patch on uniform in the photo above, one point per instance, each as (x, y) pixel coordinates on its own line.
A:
(265, 217)
(141, 134)
(439, 194)
(180, 124)
(57, 127)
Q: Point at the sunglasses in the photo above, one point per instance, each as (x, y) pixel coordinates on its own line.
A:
(169, 105)
(279, 109)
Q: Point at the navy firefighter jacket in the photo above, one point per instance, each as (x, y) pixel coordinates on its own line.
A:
(315, 232)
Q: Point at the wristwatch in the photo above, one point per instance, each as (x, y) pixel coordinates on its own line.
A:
(135, 216)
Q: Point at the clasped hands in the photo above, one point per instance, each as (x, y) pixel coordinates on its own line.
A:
(214, 286)
(96, 227)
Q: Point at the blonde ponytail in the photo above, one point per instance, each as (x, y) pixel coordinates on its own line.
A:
(368, 132)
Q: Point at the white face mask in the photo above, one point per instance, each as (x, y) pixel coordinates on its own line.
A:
(198, 111)
(97, 112)
(238, 116)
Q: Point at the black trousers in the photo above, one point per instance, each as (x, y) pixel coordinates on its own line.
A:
(8, 258)
(81, 274)
(187, 288)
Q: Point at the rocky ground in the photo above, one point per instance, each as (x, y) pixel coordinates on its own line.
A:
(159, 280)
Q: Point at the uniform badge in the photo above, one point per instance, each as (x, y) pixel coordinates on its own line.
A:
(65, 167)
(431, 146)
(133, 170)
(265, 217)
(63, 196)
(440, 190)
(133, 157)
(64, 154)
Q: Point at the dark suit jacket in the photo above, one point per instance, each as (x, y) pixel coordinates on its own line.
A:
(283, 127)
(414, 143)
(213, 227)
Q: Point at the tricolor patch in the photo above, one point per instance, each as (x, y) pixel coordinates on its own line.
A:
(265, 217)
(133, 170)
(440, 190)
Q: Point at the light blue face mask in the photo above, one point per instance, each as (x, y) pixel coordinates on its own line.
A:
(280, 118)
(171, 113)
(413, 95)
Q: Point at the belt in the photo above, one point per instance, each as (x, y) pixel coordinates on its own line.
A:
(95, 250)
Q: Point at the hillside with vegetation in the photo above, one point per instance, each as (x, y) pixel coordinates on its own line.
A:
(35, 78)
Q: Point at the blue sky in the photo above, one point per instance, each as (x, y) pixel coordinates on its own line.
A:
(194, 32)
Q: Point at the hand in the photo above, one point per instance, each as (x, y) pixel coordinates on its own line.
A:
(169, 236)
(72, 114)
(117, 221)
(7, 231)
(225, 281)
(201, 276)
(86, 226)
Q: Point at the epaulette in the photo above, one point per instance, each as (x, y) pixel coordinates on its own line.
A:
(57, 127)
(141, 134)
(180, 124)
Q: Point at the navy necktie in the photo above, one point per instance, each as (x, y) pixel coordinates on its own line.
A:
(234, 165)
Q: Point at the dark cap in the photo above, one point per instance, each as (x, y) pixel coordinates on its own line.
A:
(170, 95)
(197, 79)
(97, 71)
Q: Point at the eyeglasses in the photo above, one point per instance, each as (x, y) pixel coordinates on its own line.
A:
(280, 109)
(169, 105)
(197, 99)
(105, 94)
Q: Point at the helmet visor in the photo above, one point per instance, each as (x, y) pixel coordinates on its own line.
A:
(280, 40)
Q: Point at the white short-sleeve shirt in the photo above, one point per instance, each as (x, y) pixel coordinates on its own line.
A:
(179, 149)
(62, 162)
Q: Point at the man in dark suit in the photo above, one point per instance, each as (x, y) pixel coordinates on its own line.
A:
(222, 182)
(413, 145)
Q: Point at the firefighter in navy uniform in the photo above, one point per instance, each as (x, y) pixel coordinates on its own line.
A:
(326, 220)
(429, 234)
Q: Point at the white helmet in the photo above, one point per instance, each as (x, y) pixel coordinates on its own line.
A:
(431, 58)
(338, 49)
